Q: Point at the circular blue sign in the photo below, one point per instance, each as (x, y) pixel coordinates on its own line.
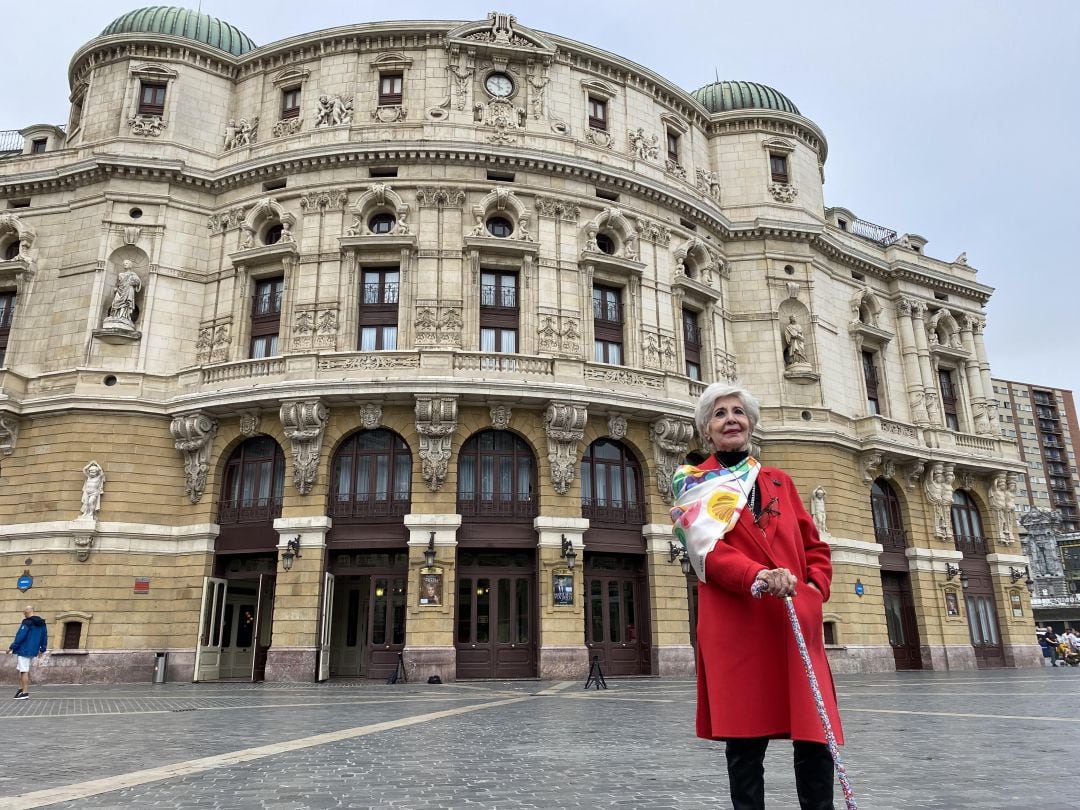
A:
(25, 583)
(859, 590)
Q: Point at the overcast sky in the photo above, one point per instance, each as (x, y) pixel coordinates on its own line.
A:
(953, 120)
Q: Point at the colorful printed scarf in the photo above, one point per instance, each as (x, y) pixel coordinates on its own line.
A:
(708, 504)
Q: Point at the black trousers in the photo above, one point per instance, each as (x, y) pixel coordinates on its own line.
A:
(746, 773)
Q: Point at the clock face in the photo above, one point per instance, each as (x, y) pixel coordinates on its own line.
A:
(499, 85)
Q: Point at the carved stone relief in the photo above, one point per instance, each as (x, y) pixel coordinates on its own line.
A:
(599, 137)
(9, 434)
(249, 423)
(671, 439)
(641, 145)
(868, 464)
(194, 437)
(93, 489)
(913, 473)
(212, 345)
(500, 417)
(242, 133)
(147, 125)
(440, 197)
(332, 111)
(658, 351)
(390, 114)
(436, 421)
(370, 416)
(783, 192)
(708, 183)
(304, 423)
(564, 424)
(325, 200)
(674, 169)
(287, 126)
(616, 427)
(558, 209)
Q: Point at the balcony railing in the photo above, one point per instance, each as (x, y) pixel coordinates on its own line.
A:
(892, 539)
(241, 369)
(875, 233)
(344, 507)
(266, 304)
(970, 545)
(381, 293)
(518, 363)
(503, 297)
(611, 511)
(252, 510)
(492, 505)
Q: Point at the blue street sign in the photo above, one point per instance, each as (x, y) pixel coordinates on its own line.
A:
(859, 590)
(25, 583)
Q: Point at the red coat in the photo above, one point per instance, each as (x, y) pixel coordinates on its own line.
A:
(751, 681)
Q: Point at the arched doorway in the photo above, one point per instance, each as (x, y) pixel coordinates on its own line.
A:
(367, 559)
(495, 624)
(979, 594)
(900, 617)
(237, 609)
(616, 578)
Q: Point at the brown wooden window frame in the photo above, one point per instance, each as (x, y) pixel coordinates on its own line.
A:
(390, 98)
(500, 309)
(692, 344)
(38, 146)
(290, 102)
(949, 398)
(380, 292)
(7, 314)
(474, 501)
(673, 146)
(872, 380)
(598, 113)
(370, 450)
(608, 320)
(250, 462)
(155, 104)
(266, 316)
(603, 504)
(779, 169)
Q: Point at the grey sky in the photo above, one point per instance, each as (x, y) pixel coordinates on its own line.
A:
(953, 120)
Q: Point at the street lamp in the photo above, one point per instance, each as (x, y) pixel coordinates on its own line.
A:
(291, 552)
(950, 574)
(429, 552)
(568, 553)
(676, 550)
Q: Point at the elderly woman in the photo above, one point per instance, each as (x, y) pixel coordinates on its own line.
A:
(742, 522)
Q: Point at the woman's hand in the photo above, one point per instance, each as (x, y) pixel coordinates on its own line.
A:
(778, 582)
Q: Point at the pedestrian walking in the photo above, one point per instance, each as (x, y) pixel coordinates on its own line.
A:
(31, 640)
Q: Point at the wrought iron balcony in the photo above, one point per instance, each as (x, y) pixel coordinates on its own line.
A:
(249, 510)
(344, 507)
(604, 510)
(892, 539)
(970, 545)
(874, 233)
(493, 505)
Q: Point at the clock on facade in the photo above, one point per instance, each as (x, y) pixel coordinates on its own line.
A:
(499, 85)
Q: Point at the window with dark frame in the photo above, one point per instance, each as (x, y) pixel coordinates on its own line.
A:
(7, 311)
(500, 227)
(273, 234)
(37, 146)
(607, 325)
(152, 98)
(870, 376)
(254, 483)
(888, 518)
(605, 244)
(778, 167)
(72, 635)
(497, 477)
(290, 103)
(611, 484)
(390, 85)
(967, 525)
(692, 344)
(11, 251)
(378, 316)
(673, 146)
(382, 223)
(266, 317)
(948, 398)
(598, 114)
(498, 312)
(371, 476)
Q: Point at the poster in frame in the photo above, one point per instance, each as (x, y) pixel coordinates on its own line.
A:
(562, 589)
(431, 588)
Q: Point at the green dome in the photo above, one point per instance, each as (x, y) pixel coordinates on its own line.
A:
(183, 22)
(726, 96)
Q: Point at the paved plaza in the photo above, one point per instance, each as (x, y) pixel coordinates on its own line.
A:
(990, 739)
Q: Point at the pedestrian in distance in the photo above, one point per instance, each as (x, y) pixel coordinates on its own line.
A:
(746, 531)
(31, 640)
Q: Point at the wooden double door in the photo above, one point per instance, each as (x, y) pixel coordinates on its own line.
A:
(364, 614)
(616, 613)
(234, 628)
(495, 614)
(900, 619)
(981, 612)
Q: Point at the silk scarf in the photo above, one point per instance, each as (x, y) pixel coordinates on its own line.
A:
(708, 504)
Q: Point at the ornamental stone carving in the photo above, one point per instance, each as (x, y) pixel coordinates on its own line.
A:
(548, 334)
(674, 169)
(641, 145)
(83, 544)
(440, 197)
(244, 133)
(913, 472)
(147, 125)
(558, 209)
(249, 423)
(304, 423)
(194, 436)
(326, 200)
(370, 416)
(332, 111)
(868, 464)
(93, 489)
(500, 417)
(369, 362)
(818, 510)
(564, 424)
(671, 439)
(1003, 504)
(9, 434)
(783, 192)
(616, 427)
(708, 183)
(389, 114)
(436, 421)
(598, 137)
(287, 126)
(937, 485)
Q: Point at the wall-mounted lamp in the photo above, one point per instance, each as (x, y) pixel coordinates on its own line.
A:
(429, 552)
(676, 551)
(291, 552)
(568, 553)
(950, 574)
(1016, 573)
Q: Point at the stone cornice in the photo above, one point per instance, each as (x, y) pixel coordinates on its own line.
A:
(154, 47)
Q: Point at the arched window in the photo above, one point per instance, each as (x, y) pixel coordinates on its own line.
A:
(611, 484)
(372, 476)
(496, 476)
(967, 525)
(254, 483)
(888, 520)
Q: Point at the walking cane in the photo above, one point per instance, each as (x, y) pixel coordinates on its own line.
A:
(849, 797)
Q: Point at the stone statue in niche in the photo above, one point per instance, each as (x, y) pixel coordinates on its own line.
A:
(794, 343)
(92, 491)
(122, 310)
(817, 510)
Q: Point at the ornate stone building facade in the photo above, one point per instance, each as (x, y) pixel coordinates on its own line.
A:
(378, 346)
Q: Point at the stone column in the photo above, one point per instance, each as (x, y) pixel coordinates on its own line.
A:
(429, 629)
(926, 371)
(561, 652)
(974, 380)
(910, 352)
(669, 607)
(977, 327)
(298, 597)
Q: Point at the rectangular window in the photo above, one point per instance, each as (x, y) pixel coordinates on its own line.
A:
(266, 317)
(597, 114)
(870, 375)
(390, 88)
(37, 146)
(692, 344)
(607, 325)
(673, 146)
(498, 312)
(379, 309)
(948, 399)
(290, 103)
(7, 310)
(152, 99)
(778, 167)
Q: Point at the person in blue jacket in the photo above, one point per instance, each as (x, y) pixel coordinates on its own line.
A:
(31, 641)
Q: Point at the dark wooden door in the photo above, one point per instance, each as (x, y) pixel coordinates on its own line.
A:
(900, 619)
(982, 615)
(616, 628)
(494, 634)
(385, 624)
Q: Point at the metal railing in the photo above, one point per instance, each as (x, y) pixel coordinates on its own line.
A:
(252, 510)
(493, 296)
(874, 233)
(381, 293)
(471, 504)
(970, 544)
(11, 140)
(612, 511)
(892, 539)
(267, 304)
(367, 506)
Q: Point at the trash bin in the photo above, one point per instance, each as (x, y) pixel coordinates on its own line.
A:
(161, 662)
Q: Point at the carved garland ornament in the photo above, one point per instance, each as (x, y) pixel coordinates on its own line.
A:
(436, 421)
(304, 422)
(194, 436)
(564, 424)
(671, 439)
(9, 434)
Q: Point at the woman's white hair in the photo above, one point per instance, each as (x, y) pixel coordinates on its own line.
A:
(708, 398)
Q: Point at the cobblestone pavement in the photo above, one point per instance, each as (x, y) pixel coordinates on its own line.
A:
(990, 739)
